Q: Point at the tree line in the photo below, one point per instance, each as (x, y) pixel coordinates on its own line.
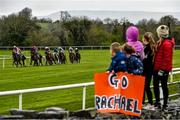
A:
(22, 29)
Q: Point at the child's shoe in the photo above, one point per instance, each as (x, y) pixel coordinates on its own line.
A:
(149, 107)
(164, 108)
(157, 105)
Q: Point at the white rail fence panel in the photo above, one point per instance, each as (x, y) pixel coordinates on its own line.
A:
(83, 85)
(21, 92)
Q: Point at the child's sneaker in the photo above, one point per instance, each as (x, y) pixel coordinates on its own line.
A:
(149, 107)
(157, 105)
(164, 108)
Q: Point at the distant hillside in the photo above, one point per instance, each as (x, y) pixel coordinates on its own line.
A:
(132, 16)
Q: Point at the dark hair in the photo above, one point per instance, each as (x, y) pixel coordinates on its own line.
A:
(128, 49)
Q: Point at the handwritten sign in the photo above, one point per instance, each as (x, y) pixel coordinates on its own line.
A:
(120, 93)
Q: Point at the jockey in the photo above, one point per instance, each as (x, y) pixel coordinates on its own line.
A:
(16, 50)
(76, 50)
(61, 50)
(56, 50)
(47, 50)
(34, 50)
(71, 50)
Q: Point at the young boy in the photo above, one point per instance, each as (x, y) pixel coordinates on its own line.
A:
(133, 63)
(118, 59)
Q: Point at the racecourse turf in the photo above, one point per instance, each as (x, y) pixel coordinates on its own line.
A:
(12, 78)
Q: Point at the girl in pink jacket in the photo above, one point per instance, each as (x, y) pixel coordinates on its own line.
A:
(132, 35)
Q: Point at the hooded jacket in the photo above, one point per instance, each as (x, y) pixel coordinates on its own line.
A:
(132, 35)
(134, 65)
(164, 55)
(118, 63)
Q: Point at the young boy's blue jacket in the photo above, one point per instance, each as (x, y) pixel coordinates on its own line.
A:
(134, 65)
(118, 63)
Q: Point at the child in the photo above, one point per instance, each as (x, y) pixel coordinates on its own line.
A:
(118, 59)
(133, 64)
(162, 64)
(132, 35)
(149, 48)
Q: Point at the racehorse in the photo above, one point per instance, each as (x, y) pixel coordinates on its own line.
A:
(17, 58)
(50, 59)
(62, 58)
(72, 57)
(56, 56)
(78, 57)
(37, 58)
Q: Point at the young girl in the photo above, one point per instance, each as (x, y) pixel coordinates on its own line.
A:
(162, 64)
(149, 48)
(132, 37)
(133, 63)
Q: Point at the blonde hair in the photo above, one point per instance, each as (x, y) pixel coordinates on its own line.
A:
(149, 37)
(115, 47)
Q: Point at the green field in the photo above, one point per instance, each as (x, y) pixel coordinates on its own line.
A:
(42, 76)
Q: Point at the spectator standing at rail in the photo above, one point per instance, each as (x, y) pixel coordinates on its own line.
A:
(133, 63)
(118, 62)
(149, 50)
(132, 37)
(162, 64)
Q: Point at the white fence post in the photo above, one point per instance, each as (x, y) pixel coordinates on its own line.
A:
(3, 62)
(20, 101)
(84, 98)
(161, 94)
(171, 76)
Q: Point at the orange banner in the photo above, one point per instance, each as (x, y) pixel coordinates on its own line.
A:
(120, 93)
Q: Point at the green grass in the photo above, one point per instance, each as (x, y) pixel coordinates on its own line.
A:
(33, 77)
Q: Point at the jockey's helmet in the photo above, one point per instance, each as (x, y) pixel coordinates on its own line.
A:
(46, 47)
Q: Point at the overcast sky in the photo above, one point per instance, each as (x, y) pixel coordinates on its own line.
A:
(45, 7)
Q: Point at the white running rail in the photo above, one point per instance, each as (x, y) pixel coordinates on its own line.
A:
(83, 85)
(20, 92)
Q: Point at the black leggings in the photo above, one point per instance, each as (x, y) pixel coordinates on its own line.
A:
(147, 89)
(164, 80)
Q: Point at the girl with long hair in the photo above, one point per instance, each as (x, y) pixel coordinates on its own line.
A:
(149, 51)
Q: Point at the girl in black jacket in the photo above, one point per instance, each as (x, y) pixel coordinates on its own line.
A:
(149, 48)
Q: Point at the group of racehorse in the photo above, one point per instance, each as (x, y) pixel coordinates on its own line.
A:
(50, 58)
